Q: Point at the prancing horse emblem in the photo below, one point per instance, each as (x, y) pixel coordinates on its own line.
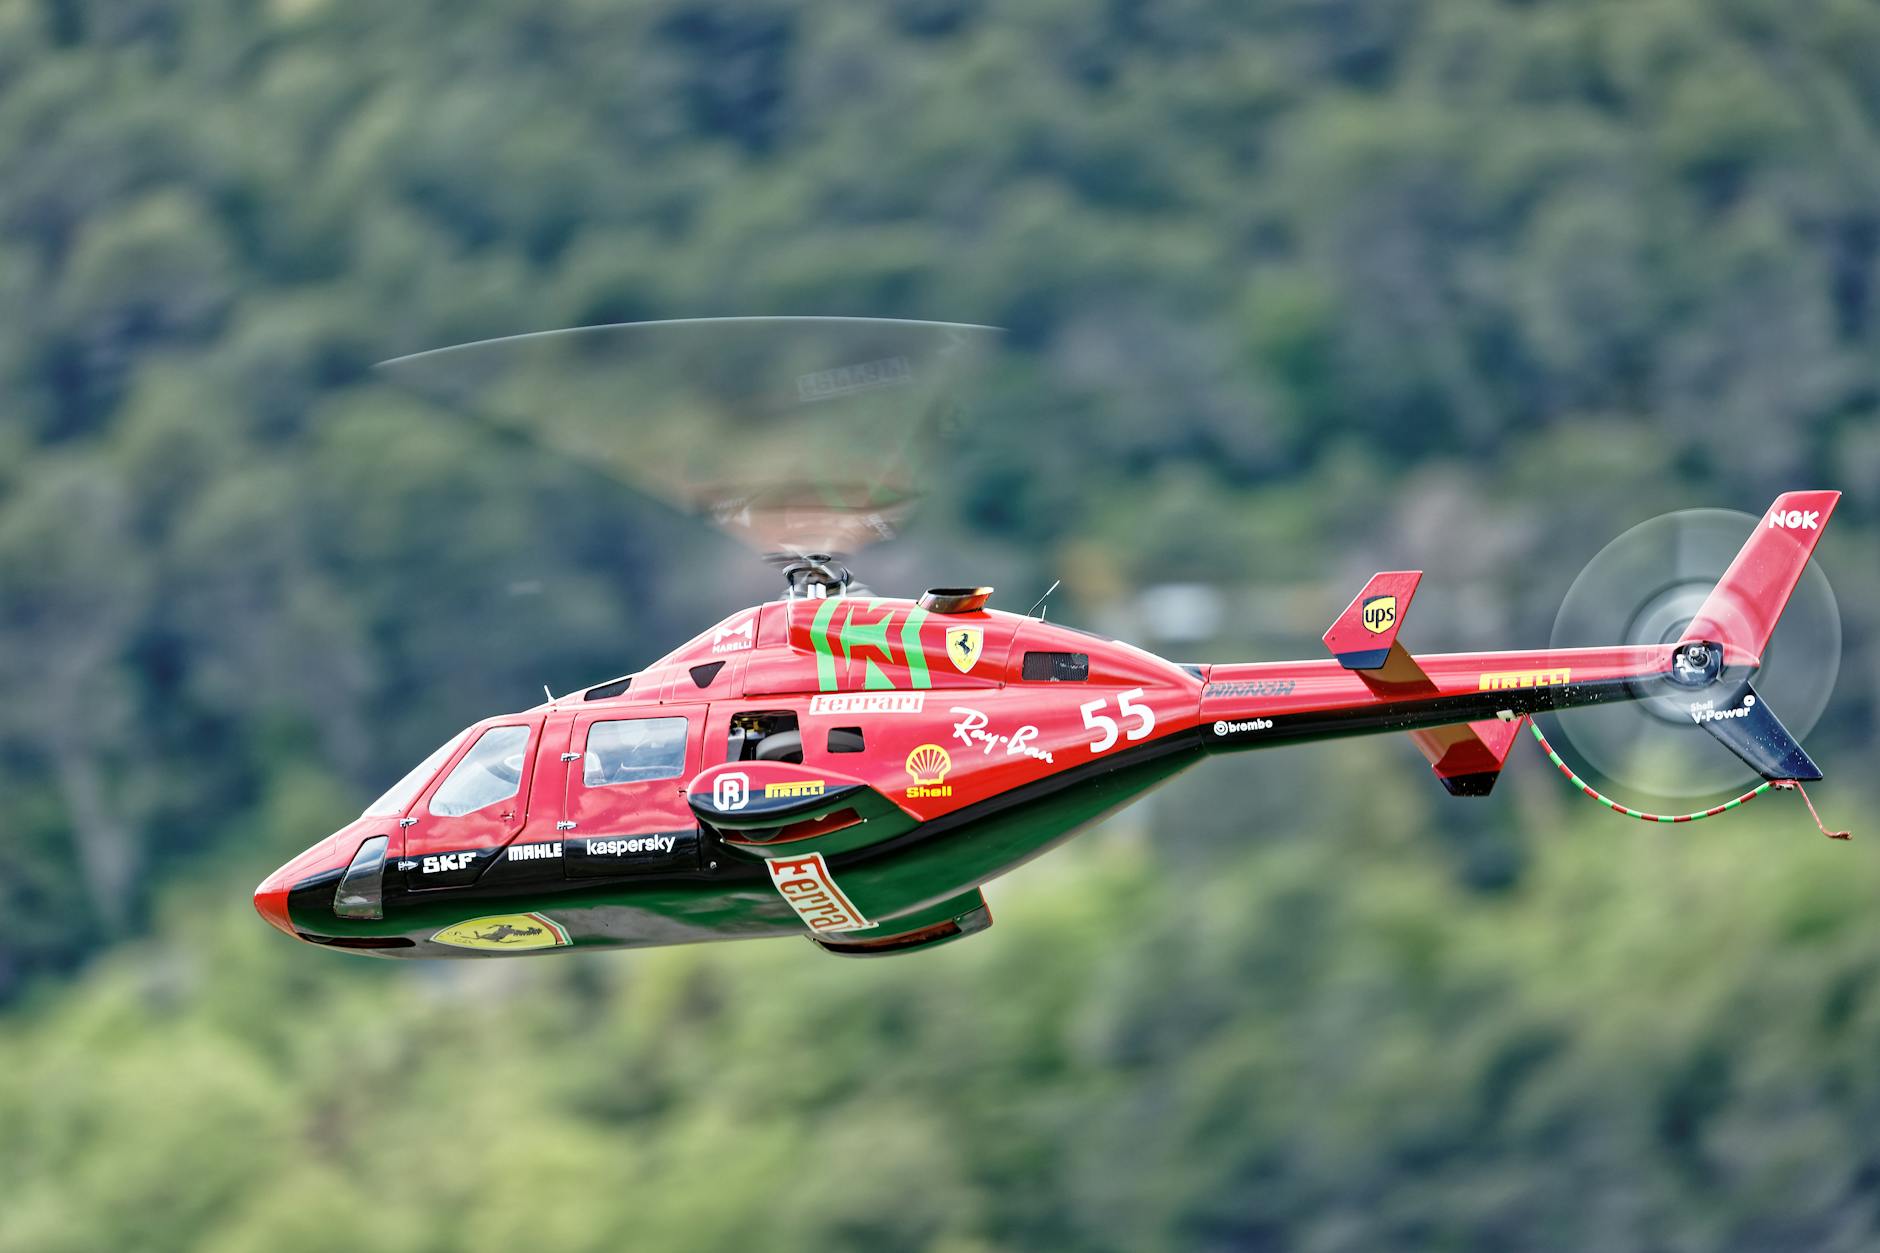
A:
(963, 645)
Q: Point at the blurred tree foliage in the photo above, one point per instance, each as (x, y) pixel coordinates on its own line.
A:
(1298, 289)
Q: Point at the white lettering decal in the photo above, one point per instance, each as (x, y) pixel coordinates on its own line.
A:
(737, 636)
(731, 791)
(971, 730)
(1231, 728)
(869, 703)
(1095, 719)
(1707, 712)
(637, 844)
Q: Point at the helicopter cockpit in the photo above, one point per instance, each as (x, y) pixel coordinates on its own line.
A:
(491, 771)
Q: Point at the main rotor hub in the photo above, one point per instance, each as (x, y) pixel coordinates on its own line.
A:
(816, 576)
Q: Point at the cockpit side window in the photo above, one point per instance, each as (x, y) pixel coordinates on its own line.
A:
(764, 735)
(491, 771)
(399, 796)
(634, 750)
(1056, 667)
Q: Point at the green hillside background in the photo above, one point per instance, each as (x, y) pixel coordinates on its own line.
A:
(1302, 289)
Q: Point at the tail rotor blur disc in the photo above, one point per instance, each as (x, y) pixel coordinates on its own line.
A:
(1643, 588)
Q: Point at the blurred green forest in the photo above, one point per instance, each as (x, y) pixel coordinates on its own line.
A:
(1300, 289)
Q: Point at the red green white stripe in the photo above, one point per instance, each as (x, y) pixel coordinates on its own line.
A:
(1640, 814)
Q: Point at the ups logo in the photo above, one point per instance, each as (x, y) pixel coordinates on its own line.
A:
(1379, 613)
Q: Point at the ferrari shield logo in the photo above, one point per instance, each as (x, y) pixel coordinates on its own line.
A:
(963, 645)
(1379, 613)
(500, 932)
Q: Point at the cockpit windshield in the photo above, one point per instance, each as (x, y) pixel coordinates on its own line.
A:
(399, 796)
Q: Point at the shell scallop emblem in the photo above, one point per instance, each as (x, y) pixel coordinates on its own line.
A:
(927, 766)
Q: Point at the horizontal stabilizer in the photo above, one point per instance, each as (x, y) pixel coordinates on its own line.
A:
(1362, 635)
(1750, 729)
(1468, 757)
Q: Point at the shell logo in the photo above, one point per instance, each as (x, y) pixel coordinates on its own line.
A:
(927, 766)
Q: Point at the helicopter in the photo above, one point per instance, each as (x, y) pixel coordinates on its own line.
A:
(855, 768)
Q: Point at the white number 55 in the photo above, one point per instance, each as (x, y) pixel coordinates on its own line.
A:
(1127, 707)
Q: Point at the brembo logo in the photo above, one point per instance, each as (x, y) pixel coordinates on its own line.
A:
(1235, 728)
(731, 792)
(1795, 519)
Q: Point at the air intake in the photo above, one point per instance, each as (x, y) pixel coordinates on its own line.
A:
(955, 599)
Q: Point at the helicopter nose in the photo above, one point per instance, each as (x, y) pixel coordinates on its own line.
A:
(271, 900)
(271, 896)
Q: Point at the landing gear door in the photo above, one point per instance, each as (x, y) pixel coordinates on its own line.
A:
(625, 810)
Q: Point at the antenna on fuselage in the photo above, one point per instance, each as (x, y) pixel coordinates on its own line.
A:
(547, 693)
(1040, 605)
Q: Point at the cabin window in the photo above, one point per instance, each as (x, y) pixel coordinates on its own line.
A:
(1057, 667)
(399, 796)
(764, 735)
(491, 771)
(607, 691)
(634, 750)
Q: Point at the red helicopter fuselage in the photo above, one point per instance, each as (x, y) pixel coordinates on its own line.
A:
(854, 769)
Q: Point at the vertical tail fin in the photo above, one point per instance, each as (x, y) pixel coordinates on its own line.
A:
(1741, 611)
(1361, 639)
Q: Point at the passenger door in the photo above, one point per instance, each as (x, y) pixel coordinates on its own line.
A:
(625, 810)
(462, 821)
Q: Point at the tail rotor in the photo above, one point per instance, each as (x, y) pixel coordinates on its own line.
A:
(1689, 578)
